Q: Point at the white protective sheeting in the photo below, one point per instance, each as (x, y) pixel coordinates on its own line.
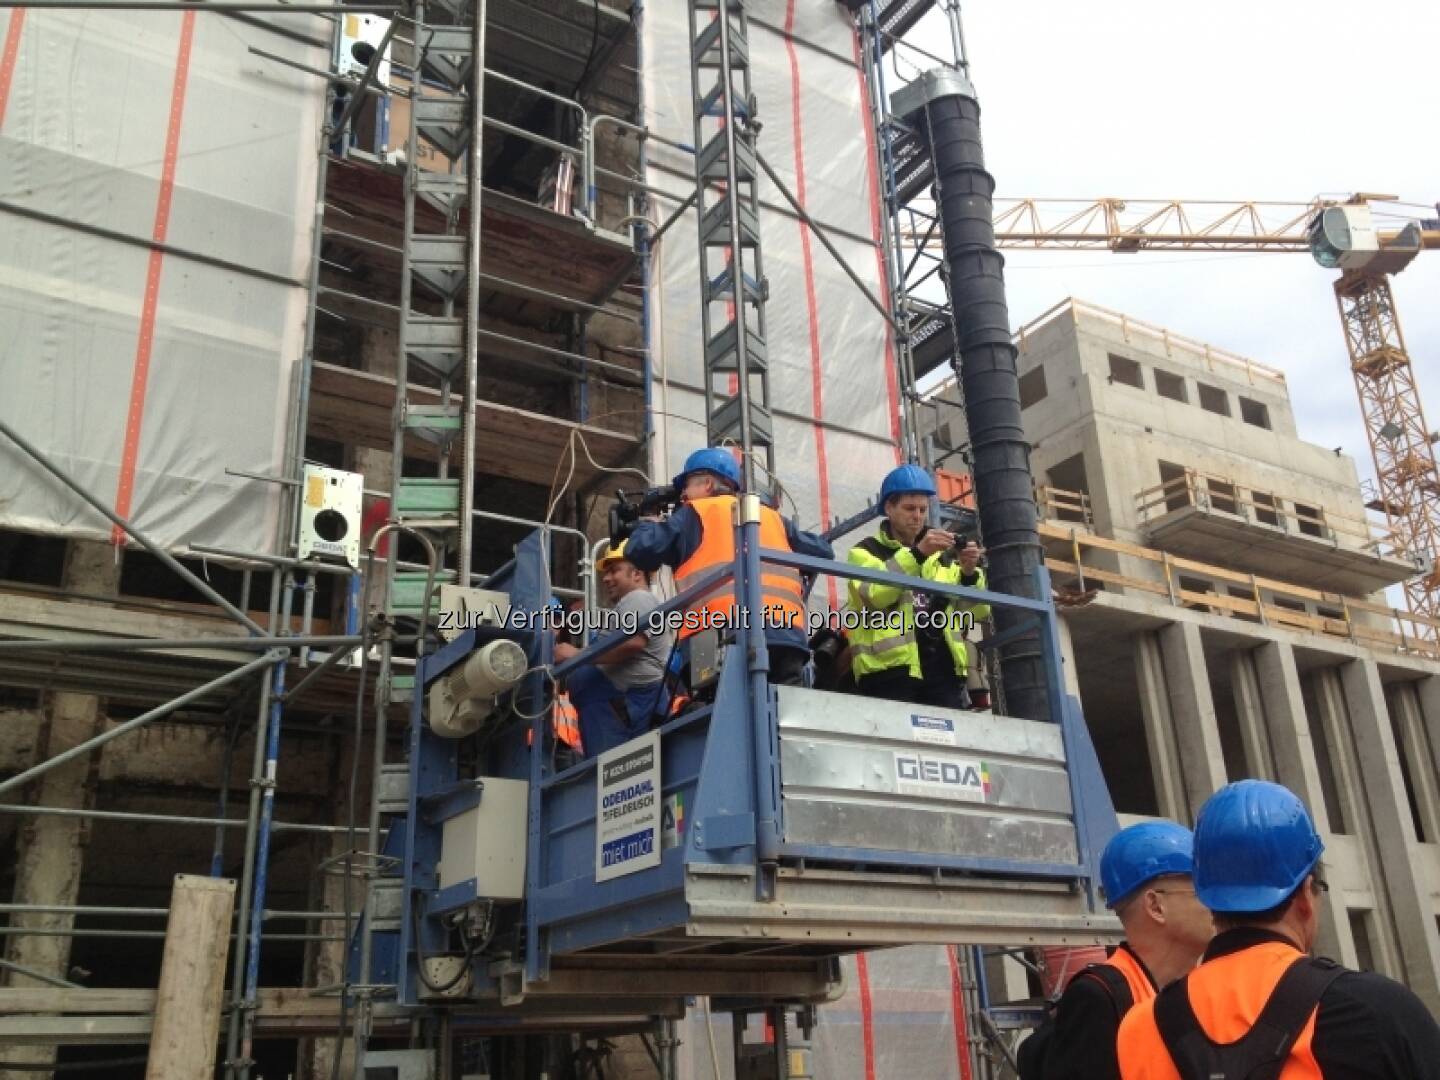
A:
(95, 99)
(897, 1022)
(831, 357)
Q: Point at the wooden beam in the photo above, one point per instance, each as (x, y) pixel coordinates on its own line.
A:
(192, 979)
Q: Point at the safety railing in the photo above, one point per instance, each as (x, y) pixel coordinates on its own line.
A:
(1246, 597)
(1058, 504)
(1212, 493)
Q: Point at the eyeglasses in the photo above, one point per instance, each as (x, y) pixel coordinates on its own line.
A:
(1182, 892)
(1319, 885)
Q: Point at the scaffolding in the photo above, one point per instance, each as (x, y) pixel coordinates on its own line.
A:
(268, 658)
(487, 280)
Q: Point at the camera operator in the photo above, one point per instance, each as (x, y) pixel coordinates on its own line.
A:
(912, 646)
(699, 537)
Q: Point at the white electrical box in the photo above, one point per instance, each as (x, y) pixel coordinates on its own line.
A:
(487, 843)
(330, 514)
(464, 608)
(359, 35)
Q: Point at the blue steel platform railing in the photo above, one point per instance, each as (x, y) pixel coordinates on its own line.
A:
(734, 820)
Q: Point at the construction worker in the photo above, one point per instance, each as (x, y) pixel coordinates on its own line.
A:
(699, 537)
(911, 645)
(1145, 871)
(1258, 1005)
(617, 696)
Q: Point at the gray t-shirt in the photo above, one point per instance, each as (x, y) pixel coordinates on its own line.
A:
(632, 612)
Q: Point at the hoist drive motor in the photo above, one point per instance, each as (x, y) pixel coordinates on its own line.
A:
(462, 698)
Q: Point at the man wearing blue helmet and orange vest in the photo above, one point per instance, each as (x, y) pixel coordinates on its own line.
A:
(911, 646)
(1145, 872)
(1259, 1006)
(699, 537)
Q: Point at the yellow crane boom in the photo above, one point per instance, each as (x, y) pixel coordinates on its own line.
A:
(1340, 234)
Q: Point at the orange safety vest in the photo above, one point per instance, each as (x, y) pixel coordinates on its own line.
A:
(565, 721)
(1136, 977)
(1227, 995)
(780, 587)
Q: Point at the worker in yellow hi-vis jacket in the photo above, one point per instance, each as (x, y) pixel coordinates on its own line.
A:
(909, 645)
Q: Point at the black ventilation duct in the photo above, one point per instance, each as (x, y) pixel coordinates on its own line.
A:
(942, 108)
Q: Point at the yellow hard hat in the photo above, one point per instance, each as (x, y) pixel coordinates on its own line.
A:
(615, 553)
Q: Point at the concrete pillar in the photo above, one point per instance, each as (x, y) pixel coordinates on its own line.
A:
(1427, 693)
(1159, 728)
(1401, 875)
(50, 850)
(1296, 768)
(1250, 711)
(1416, 745)
(1197, 734)
(1332, 701)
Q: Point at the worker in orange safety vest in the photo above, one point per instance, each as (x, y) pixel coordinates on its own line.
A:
(699, 537)
(1259, 1004)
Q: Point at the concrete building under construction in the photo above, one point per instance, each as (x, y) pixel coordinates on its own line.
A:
(1239, 625)
(325, 318)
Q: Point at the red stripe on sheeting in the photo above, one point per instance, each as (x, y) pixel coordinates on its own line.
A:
(9, 56)
(817, 396)
(867, 1014)
(872, 177)
(957, 1008)
(144, 345)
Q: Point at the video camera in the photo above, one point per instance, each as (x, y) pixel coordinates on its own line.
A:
(630, 507)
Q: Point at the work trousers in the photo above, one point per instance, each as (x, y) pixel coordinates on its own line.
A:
(897, 684)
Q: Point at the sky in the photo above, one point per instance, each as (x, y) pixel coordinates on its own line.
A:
(1270, 99)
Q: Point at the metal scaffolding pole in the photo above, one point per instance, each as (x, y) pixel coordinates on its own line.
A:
(81, 749)
(159, 819)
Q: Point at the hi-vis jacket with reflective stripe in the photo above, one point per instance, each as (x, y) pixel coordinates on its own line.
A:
(886, 637)
(780, 587)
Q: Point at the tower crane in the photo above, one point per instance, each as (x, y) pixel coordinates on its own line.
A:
(1339, 234)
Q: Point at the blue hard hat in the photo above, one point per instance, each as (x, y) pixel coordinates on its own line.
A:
(713, 460)
(907, 480)
(1140, 854)
(1254, 845)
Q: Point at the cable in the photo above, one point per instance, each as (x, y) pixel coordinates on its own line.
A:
(590, 56)
(471, 951)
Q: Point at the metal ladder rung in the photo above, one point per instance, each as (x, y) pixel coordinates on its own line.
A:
(722, 287)
(448, 54)
(435, 341)
(434, 423)
(421, 496)
(715, 154)
(720, 351)
(725, 422)
(705, 51)
(715, 226)
(437, 261)
(712, 104)
(407, 595)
